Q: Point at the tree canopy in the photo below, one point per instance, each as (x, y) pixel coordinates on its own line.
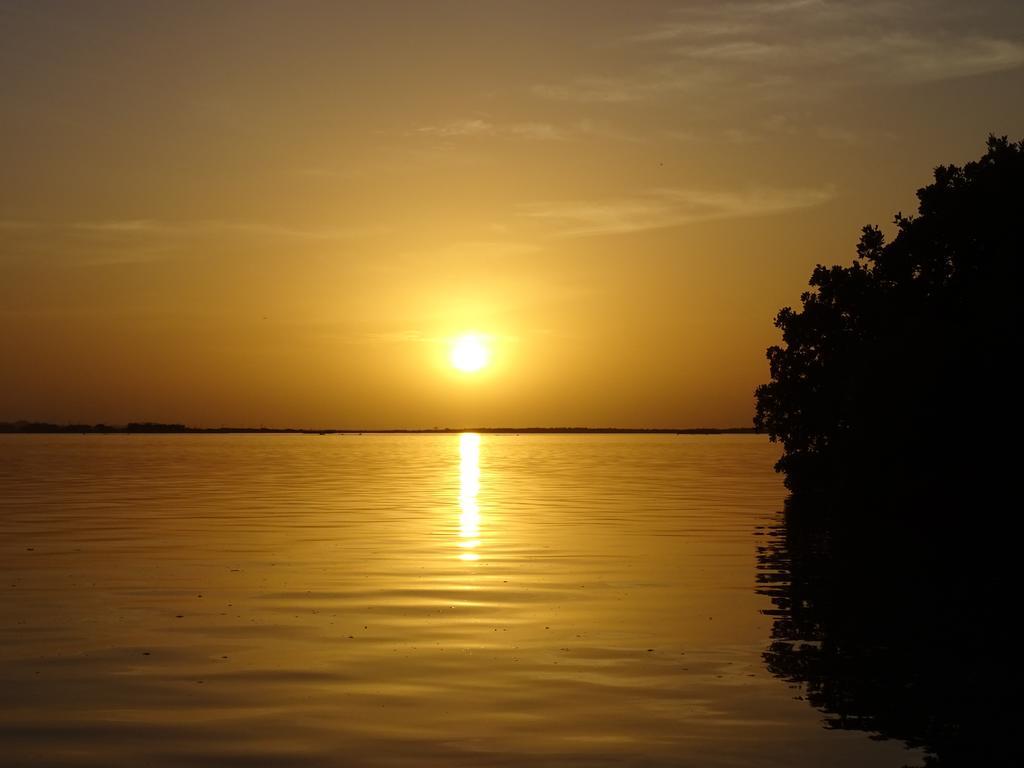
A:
(896, 372)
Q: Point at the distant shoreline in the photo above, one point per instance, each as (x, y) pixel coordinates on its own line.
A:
(152, 428)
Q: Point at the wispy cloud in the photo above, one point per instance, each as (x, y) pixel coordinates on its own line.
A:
(625, 89)
(476, 127)
(601, 90)
(772, 128)
(701, 28)
(155, 227)
(874, 40)
(893, 58)
(799, 47)
(916, 60)
(107, 242)
(661, 208)
(738, 17)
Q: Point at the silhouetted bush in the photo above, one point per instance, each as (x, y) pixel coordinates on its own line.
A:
(893, 383)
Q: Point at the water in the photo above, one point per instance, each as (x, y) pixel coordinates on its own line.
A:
(289, 600)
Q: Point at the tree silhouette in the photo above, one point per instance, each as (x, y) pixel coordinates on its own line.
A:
(908, 643)
(895, 397)
(894, 377)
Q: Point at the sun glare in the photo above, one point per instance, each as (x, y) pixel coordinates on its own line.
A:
(470, 353)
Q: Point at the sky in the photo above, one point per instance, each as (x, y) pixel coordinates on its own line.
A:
(284, 213)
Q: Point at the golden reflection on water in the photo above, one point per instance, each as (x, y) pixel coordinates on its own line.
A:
(469, 490)
(390, 601)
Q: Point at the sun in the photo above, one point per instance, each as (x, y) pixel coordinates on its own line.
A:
(470, 353)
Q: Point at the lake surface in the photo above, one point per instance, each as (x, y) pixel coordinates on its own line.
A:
(358, 600)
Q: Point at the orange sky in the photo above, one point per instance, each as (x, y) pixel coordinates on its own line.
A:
(282, 213)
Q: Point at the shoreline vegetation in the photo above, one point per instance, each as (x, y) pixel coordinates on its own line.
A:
(894, 569)
(155, 428)
(894, 382)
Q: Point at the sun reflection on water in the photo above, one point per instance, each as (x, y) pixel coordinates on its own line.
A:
(469, 489)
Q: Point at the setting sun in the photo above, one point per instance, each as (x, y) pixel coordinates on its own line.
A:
(470, 353)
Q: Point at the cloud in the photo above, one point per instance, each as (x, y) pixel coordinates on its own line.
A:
(155, 227)
(770, 128)
(875, 41)
(662, 208)
(799, 48)
(476, 127)
(535, 131)
(623, 90)
(134, 241)
(703, 29)
(917, 60)
(741, 51)
(606, 90)
(893, 58)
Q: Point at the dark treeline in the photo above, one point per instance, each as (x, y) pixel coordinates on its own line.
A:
(896, 377)
(38, 427)
(145, 427)
(894, 572)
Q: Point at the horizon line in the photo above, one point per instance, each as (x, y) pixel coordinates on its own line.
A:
(37, 427)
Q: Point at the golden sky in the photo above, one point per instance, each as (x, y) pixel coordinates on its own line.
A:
(284, 213)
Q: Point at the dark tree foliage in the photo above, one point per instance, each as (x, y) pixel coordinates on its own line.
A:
(894, 394)
(894, 378)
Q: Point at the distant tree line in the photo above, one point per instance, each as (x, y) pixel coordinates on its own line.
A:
(45, 427)
(149, 427)
(141, 427)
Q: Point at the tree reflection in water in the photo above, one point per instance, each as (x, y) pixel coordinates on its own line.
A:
(904, 633)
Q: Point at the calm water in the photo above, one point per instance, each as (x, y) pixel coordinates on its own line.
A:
(395, 600)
